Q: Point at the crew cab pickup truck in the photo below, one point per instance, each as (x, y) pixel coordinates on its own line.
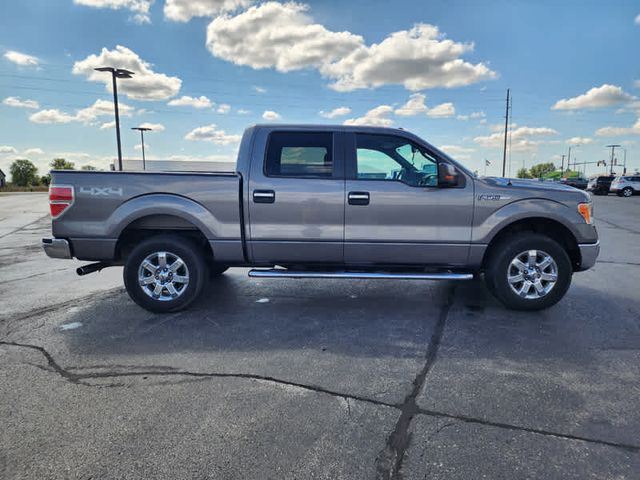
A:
(325, 202)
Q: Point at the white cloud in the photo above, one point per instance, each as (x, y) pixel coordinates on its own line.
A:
(145, 84)
(457, 151)
(378, 117)
(185, 10)
(579, 141)
(187, 101)
(33, 151)
(100, 108)
(637, 20)
(444, 110)
(473, 115)
(259, 89)
(271, 115)
(619, 131)
(52, 115)
(418, 58)
(242, 111)
(107, 125)
(277, 35)
(19, 103)
(284, 37)
(210, 133)
(603, 96)
(522, 138)
(336, 112)
(636, 84)
(156, 127)
(414, 106)
(223, 108)
(21, 59)
(7, 149)
(139, 8)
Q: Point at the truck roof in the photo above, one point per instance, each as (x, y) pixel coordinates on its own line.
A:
(342, 128)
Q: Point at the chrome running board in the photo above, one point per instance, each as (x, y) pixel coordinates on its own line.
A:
(283, 273)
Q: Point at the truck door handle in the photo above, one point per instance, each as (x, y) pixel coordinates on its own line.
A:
(264, 196)
(358, 198)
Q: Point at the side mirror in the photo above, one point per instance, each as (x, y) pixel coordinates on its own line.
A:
(447, 175)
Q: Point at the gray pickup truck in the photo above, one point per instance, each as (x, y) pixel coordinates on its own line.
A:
(325, 202)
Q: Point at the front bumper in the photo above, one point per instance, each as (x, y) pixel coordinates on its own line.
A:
(56, 247)
(588, 254)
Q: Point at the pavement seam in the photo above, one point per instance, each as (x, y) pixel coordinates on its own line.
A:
(156, 371)
(630, 230)
(389, 460)
(160, 371)
(538, 431)
(24, 226)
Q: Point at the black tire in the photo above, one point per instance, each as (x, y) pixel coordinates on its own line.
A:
(215, 270)
(195, 270)
(499, 265)
(627, 192)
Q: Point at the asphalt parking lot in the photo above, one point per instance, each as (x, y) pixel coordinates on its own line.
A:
(316, 379)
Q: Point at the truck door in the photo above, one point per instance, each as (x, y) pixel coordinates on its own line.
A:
(395, 212)
(296, 197)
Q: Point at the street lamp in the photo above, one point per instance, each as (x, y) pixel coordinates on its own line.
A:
(568, 159)
(142, 130)
(116, 73)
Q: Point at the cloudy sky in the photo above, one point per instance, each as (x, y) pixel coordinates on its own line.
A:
(205, 69)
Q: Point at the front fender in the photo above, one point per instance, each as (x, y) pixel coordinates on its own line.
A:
(488, 221)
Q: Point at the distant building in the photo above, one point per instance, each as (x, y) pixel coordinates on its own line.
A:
(175, 166)
(3, 179)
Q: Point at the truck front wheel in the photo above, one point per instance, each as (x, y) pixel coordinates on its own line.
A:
(165, 274)
(528, 271)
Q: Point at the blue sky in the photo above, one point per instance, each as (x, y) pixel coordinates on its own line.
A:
(439, 69)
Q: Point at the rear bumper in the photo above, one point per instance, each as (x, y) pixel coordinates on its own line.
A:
(588, 254)
(56, 247)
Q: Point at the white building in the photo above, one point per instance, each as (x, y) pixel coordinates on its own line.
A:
(175, 166)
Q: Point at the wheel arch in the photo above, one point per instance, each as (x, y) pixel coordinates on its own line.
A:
(542, 225)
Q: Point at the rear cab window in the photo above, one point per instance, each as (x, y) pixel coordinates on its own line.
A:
(300, 155)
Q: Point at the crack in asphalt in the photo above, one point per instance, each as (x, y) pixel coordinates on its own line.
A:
(615, 225)
(69, 374)
(389, 460)
(632, 264)
(24, 226)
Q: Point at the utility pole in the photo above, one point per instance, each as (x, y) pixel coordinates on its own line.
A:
(506, 128)
(613, 149)
(116, 73)
(562, 166)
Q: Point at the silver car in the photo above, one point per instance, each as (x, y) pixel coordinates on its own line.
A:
(626, 186)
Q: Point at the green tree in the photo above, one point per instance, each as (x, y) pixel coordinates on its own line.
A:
(88, 167)
(45, 180)
(62, 164)
(523, 173)
(23, 172)
(542, 169)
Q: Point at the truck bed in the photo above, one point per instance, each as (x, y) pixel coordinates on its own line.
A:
(106, 203)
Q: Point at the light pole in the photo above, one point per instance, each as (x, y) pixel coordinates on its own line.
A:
(116, 73)
(613, 149)
(142, 130)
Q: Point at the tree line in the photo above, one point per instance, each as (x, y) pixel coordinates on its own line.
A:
(545, 170)
(25, 174)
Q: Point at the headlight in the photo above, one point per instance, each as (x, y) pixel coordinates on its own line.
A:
(586, 211)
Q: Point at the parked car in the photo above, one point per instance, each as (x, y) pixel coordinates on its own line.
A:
(626, 186)
(600, 184)
(575, 182)
(325, 202)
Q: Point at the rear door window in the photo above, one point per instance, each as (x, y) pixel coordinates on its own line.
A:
(300, 154)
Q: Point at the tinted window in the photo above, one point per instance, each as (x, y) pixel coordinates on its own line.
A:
(300, 154)
(386, 157)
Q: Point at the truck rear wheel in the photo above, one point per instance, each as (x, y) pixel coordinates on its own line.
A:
(165, 273)
(528, 271)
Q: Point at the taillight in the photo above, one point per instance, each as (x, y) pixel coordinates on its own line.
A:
(60, 198)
